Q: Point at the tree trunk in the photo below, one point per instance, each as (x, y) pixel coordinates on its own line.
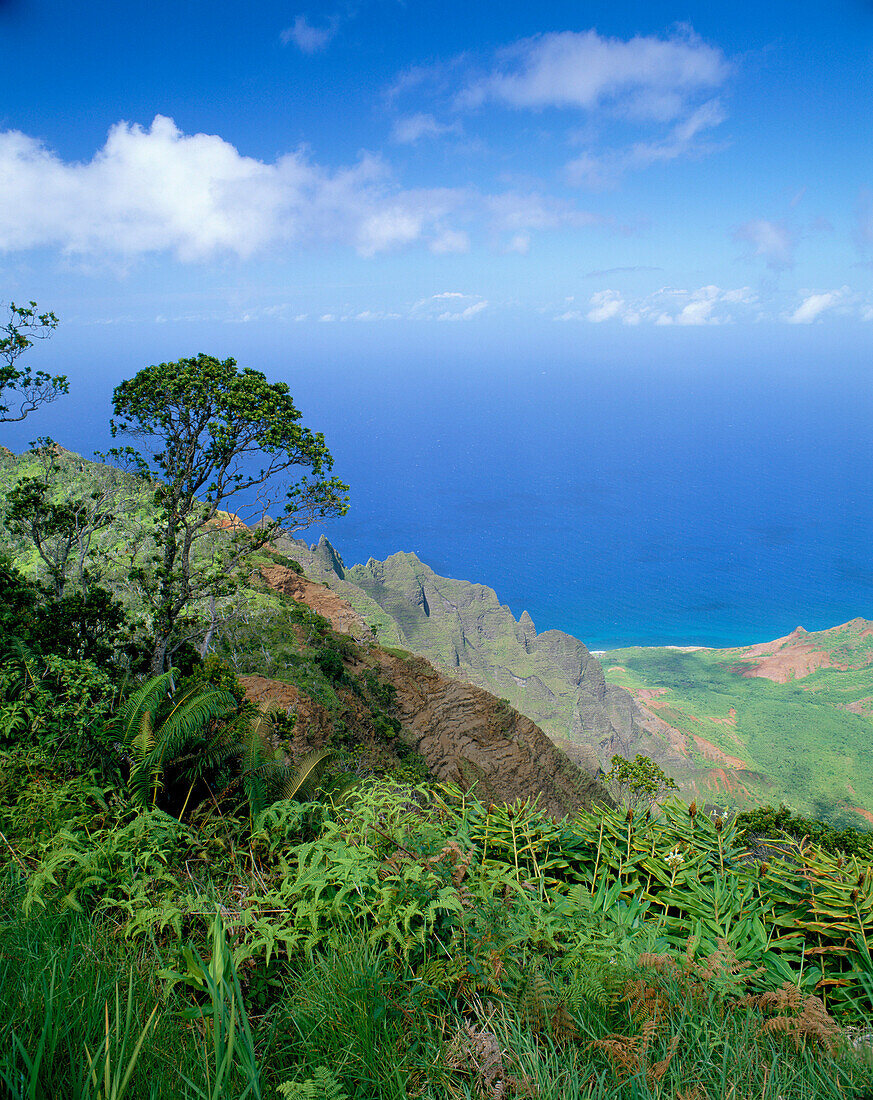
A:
(159, 655)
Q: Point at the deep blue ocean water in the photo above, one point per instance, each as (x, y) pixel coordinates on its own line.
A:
(712, 503)
(710, 487)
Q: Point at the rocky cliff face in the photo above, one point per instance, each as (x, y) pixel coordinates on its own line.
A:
(465, 735)
(465, 631)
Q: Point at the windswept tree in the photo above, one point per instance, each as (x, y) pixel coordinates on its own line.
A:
(215, 434)
(29, 389)
(61, 517)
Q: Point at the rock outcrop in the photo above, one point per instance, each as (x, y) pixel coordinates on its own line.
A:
(464, 630)
(465, 735)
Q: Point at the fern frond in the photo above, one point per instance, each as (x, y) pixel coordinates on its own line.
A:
(145, 700)
(305, 779)
(188, 719)
(322, 1085)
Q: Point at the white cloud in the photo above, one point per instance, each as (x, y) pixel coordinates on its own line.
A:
(774, 242)
(160, 190)
(603, 170)
(605, 304)
(708, 305)
(450, 305)
(465, 314)
(645, 77)
(450, 240)
(411, 128)
(814, 305)
(306, 37)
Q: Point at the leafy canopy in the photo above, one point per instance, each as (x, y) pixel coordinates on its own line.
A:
(202, 420)
(214, 432)
(32, 388)
(637, 782)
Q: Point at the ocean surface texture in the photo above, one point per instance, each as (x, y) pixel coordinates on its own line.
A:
(624, 502)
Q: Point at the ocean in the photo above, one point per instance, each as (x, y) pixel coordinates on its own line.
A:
(708, 501)
(705, 486)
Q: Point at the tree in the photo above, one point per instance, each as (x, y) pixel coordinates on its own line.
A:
(637, 783)
(33, 389)
(61, 522)
(213, 433)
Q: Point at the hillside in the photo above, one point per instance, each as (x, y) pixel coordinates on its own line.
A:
(294, 642)
(463, 734)
(465, 631)
(734, 726)
(790, 719)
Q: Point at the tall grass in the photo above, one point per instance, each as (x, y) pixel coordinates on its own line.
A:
(354, 1021)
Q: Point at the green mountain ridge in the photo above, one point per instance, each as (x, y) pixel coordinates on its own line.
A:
(711, 718)
(464, 630)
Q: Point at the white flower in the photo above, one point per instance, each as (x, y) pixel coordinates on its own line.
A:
(675, 859)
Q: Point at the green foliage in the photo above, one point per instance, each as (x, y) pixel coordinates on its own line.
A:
(159, 729)
(59, 518)
(33, 389)
(204, 424)
(322, 1085)
(284, 560)
(637, 782)
(223, 1015)
(86, 625)
(768, 822)
(213, 672)
(57, 705)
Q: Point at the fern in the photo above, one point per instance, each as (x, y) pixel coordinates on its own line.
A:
(152, 747)
(322, 1085)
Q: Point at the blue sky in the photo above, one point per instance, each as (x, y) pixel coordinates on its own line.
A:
(385, 162)
(614, 262)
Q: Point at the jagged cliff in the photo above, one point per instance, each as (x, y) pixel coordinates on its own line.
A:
(465, 631)
(464, 734)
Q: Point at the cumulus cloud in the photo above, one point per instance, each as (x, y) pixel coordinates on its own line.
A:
(450, 305)
(605, 304)
(708, 305)
(644, 77)
(306, 37)
(814, 305)
(160, 190)
(773, 242)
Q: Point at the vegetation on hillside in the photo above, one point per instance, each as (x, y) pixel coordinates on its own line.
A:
(204, 899)
(800, 744)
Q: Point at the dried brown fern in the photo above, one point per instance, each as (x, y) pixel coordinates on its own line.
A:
(645, 1002)
(812, 1023)
(657, 1071)
(564, 1026)
(627, 1053)
(477, 1051)
(691, 979)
